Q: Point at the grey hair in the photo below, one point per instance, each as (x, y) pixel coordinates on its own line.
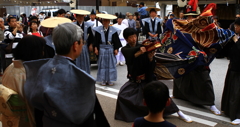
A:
(1, 19)
(64, 35)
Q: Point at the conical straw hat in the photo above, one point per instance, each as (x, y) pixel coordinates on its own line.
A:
(106, 16)
(53, 22)
(80, 12)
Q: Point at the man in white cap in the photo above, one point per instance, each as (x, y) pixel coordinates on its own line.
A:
(93, 19)
(83, 60)
(152, 25)
(122, 27)
(106, 46)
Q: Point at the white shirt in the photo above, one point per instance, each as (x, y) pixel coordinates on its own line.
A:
(95, 22)
(122, 27)
(125, 22)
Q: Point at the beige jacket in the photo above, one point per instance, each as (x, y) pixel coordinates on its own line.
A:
(14, 78)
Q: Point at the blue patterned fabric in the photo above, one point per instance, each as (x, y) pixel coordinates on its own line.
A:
(107, 71)
(65, 93)
(83, 61)
(186, 53)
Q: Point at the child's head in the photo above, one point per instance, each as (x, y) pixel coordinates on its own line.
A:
(130, 35)
(156, 96)
(33, 25)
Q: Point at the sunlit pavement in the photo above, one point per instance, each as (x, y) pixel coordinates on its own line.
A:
(201, 115)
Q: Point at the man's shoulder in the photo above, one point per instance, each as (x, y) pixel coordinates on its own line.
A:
(144, 123)
(139, 121)
(167, 124)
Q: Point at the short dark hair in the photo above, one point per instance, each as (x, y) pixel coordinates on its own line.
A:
(237, 21)
(128, 32)
(10, 18)
(61, 11)
(156, 95)
(142, 3)
(152, 11)
(33, 17)
(29, 48)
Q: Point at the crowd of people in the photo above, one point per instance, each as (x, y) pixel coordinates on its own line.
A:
(50, 71)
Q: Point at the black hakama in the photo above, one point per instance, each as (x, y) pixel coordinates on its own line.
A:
(195, 87)
(130, 98)
(231, 93)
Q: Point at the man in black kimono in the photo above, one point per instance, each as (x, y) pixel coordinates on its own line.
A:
(231, 93)
(140, 65)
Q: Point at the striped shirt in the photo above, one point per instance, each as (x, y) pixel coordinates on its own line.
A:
(9, 37)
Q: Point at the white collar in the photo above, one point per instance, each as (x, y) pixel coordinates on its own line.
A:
(80, 23)
(152, 19)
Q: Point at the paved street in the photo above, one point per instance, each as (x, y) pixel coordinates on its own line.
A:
(201, 115)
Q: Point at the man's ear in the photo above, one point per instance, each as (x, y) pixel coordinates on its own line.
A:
(75, 45)
(168, 102)
(144, 102)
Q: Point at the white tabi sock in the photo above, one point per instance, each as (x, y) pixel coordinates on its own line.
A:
(184, 117)
(235, 122)
(214, 110)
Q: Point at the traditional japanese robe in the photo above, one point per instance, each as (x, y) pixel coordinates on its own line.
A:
(83, 60)
(130, 98)
(14, 78)
(107, 42)
(231, 93)
(195, 43)
(122, 27)
(64, 92)
(152, 26)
